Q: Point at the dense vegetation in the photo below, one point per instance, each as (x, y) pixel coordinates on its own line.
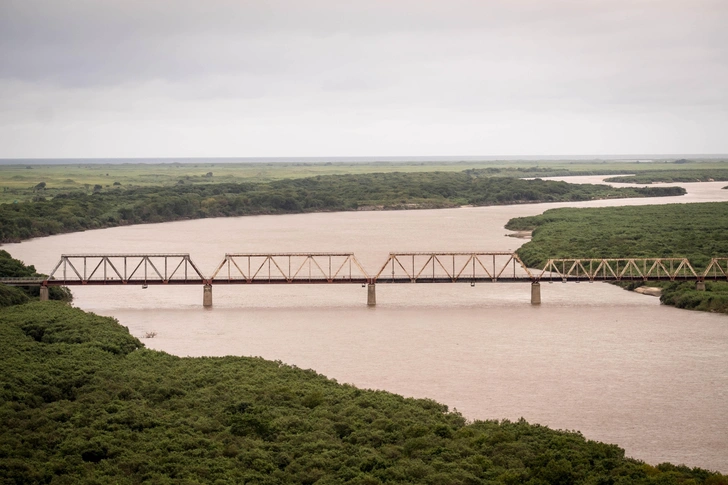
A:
(673, 176)
(77, 211)
(13, 268)
(85, 402)
(696, 231)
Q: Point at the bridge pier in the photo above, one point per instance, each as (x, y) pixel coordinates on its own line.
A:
(535, 293)
(43, 293)
(207, 296)
(371, 294)
(700, 285)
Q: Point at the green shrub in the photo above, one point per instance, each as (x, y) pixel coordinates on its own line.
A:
(82, 401)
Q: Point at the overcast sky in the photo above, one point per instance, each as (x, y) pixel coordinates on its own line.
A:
(179, 78)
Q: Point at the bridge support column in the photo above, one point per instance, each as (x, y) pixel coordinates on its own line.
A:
(207, 296)
(371, 294)
(535, 293)
(700, 285)
(43, 293)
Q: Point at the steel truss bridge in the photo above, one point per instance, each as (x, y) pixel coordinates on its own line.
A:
(344, 268)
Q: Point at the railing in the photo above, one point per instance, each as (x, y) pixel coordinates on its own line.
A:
(23, 281)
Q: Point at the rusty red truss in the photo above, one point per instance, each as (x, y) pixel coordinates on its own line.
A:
(716, 269)
(273, 268)
(453, 267)
(343, 267)
(143, 269)
(619, 269)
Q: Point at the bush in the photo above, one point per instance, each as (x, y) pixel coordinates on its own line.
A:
(84, 402)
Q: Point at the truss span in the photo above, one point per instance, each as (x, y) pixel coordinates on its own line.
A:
(110, 269)
(620, 269)
(256, 268)
(453, 267)
(400, 267)
(717, 269)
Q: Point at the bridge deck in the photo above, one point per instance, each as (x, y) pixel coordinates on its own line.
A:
(344, 268)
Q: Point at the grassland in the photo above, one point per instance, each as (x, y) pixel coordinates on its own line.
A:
(18, 182)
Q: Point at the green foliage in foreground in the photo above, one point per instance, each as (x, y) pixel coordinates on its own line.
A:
(77, 211)
(9, 295)
(673, 176)
(84, 402)
(698, 232)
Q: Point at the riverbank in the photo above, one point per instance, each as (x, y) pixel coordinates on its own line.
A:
(698, 232)
(649, 291)
(119, 206)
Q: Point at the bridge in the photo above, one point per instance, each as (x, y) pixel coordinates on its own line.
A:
(472, 267)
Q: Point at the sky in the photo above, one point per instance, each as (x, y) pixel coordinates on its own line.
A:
(295, 78)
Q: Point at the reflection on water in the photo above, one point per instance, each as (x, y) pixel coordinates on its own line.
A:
(612, 364)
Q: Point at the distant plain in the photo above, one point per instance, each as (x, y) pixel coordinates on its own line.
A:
(19, 182)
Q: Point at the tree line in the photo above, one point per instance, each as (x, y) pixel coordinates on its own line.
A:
(77, 211)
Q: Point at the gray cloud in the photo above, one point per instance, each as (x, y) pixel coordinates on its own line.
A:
(420, 67)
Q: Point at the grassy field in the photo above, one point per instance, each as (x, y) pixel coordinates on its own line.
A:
(18, 182)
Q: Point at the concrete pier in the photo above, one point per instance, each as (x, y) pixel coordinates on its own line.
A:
(700, 285)
(43, 293)
(207, 296)
(371, 294)
(535, 293)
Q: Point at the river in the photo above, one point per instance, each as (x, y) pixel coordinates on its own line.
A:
(615, 365)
